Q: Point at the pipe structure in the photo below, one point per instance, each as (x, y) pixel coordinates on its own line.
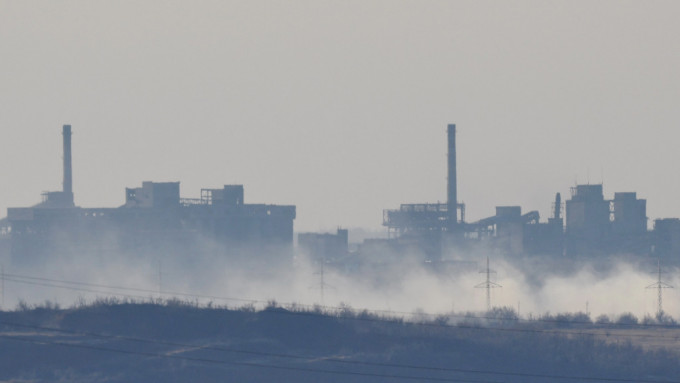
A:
(452, 192)
(68, 171)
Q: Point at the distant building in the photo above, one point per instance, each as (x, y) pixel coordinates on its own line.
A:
(666, 239)
(325, 246)
(598, 226)
(629, 234)
(153, 220)
(592, 225)
(587, 220)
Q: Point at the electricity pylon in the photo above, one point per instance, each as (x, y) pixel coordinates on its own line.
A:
(659, 285)
(488, 285)
(322, 283)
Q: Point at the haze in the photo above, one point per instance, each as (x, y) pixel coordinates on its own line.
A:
(340, 107)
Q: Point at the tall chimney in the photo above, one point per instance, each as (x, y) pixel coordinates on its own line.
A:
(68, 173)
(452, 193)
(558, 206)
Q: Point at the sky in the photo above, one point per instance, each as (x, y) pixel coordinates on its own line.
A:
(341, 107)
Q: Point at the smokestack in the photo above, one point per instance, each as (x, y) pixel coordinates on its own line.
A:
(452, 192)
(68, 173)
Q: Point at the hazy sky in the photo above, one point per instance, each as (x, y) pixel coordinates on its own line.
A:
(341, 107)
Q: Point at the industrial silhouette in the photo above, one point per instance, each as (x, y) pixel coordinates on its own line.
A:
(155, 218)
(594, 226)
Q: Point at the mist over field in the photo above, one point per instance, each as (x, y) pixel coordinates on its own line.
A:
(402, 284)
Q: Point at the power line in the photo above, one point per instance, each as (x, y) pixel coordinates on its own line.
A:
(541, 331)
(18, 279)
(246, 364)
(399, 321)
(17, 276)
(333, 360)
(479, 327)
(76, 288)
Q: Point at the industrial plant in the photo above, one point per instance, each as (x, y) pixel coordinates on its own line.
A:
(156, 218)
(586, 225)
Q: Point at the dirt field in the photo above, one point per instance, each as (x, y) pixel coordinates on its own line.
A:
(648, 338)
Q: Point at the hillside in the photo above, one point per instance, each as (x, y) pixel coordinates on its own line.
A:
(176, 342)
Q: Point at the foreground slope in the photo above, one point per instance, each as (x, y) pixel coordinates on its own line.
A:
(172, 342)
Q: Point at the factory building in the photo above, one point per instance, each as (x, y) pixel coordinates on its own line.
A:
(546, 238)
(629, 232)
(430, 227)
(587, 220)
(154, 219)
(596, 226)
(436, 229)
(325, 246)
(666, 239)
(505, 231)
(592, 225)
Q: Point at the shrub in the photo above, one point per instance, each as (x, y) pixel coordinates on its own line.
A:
(627, 319)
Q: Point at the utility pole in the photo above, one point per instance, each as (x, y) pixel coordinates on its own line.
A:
(659, 285)
(488, 285)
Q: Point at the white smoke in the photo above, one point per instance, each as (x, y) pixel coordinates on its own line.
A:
(401, 284)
